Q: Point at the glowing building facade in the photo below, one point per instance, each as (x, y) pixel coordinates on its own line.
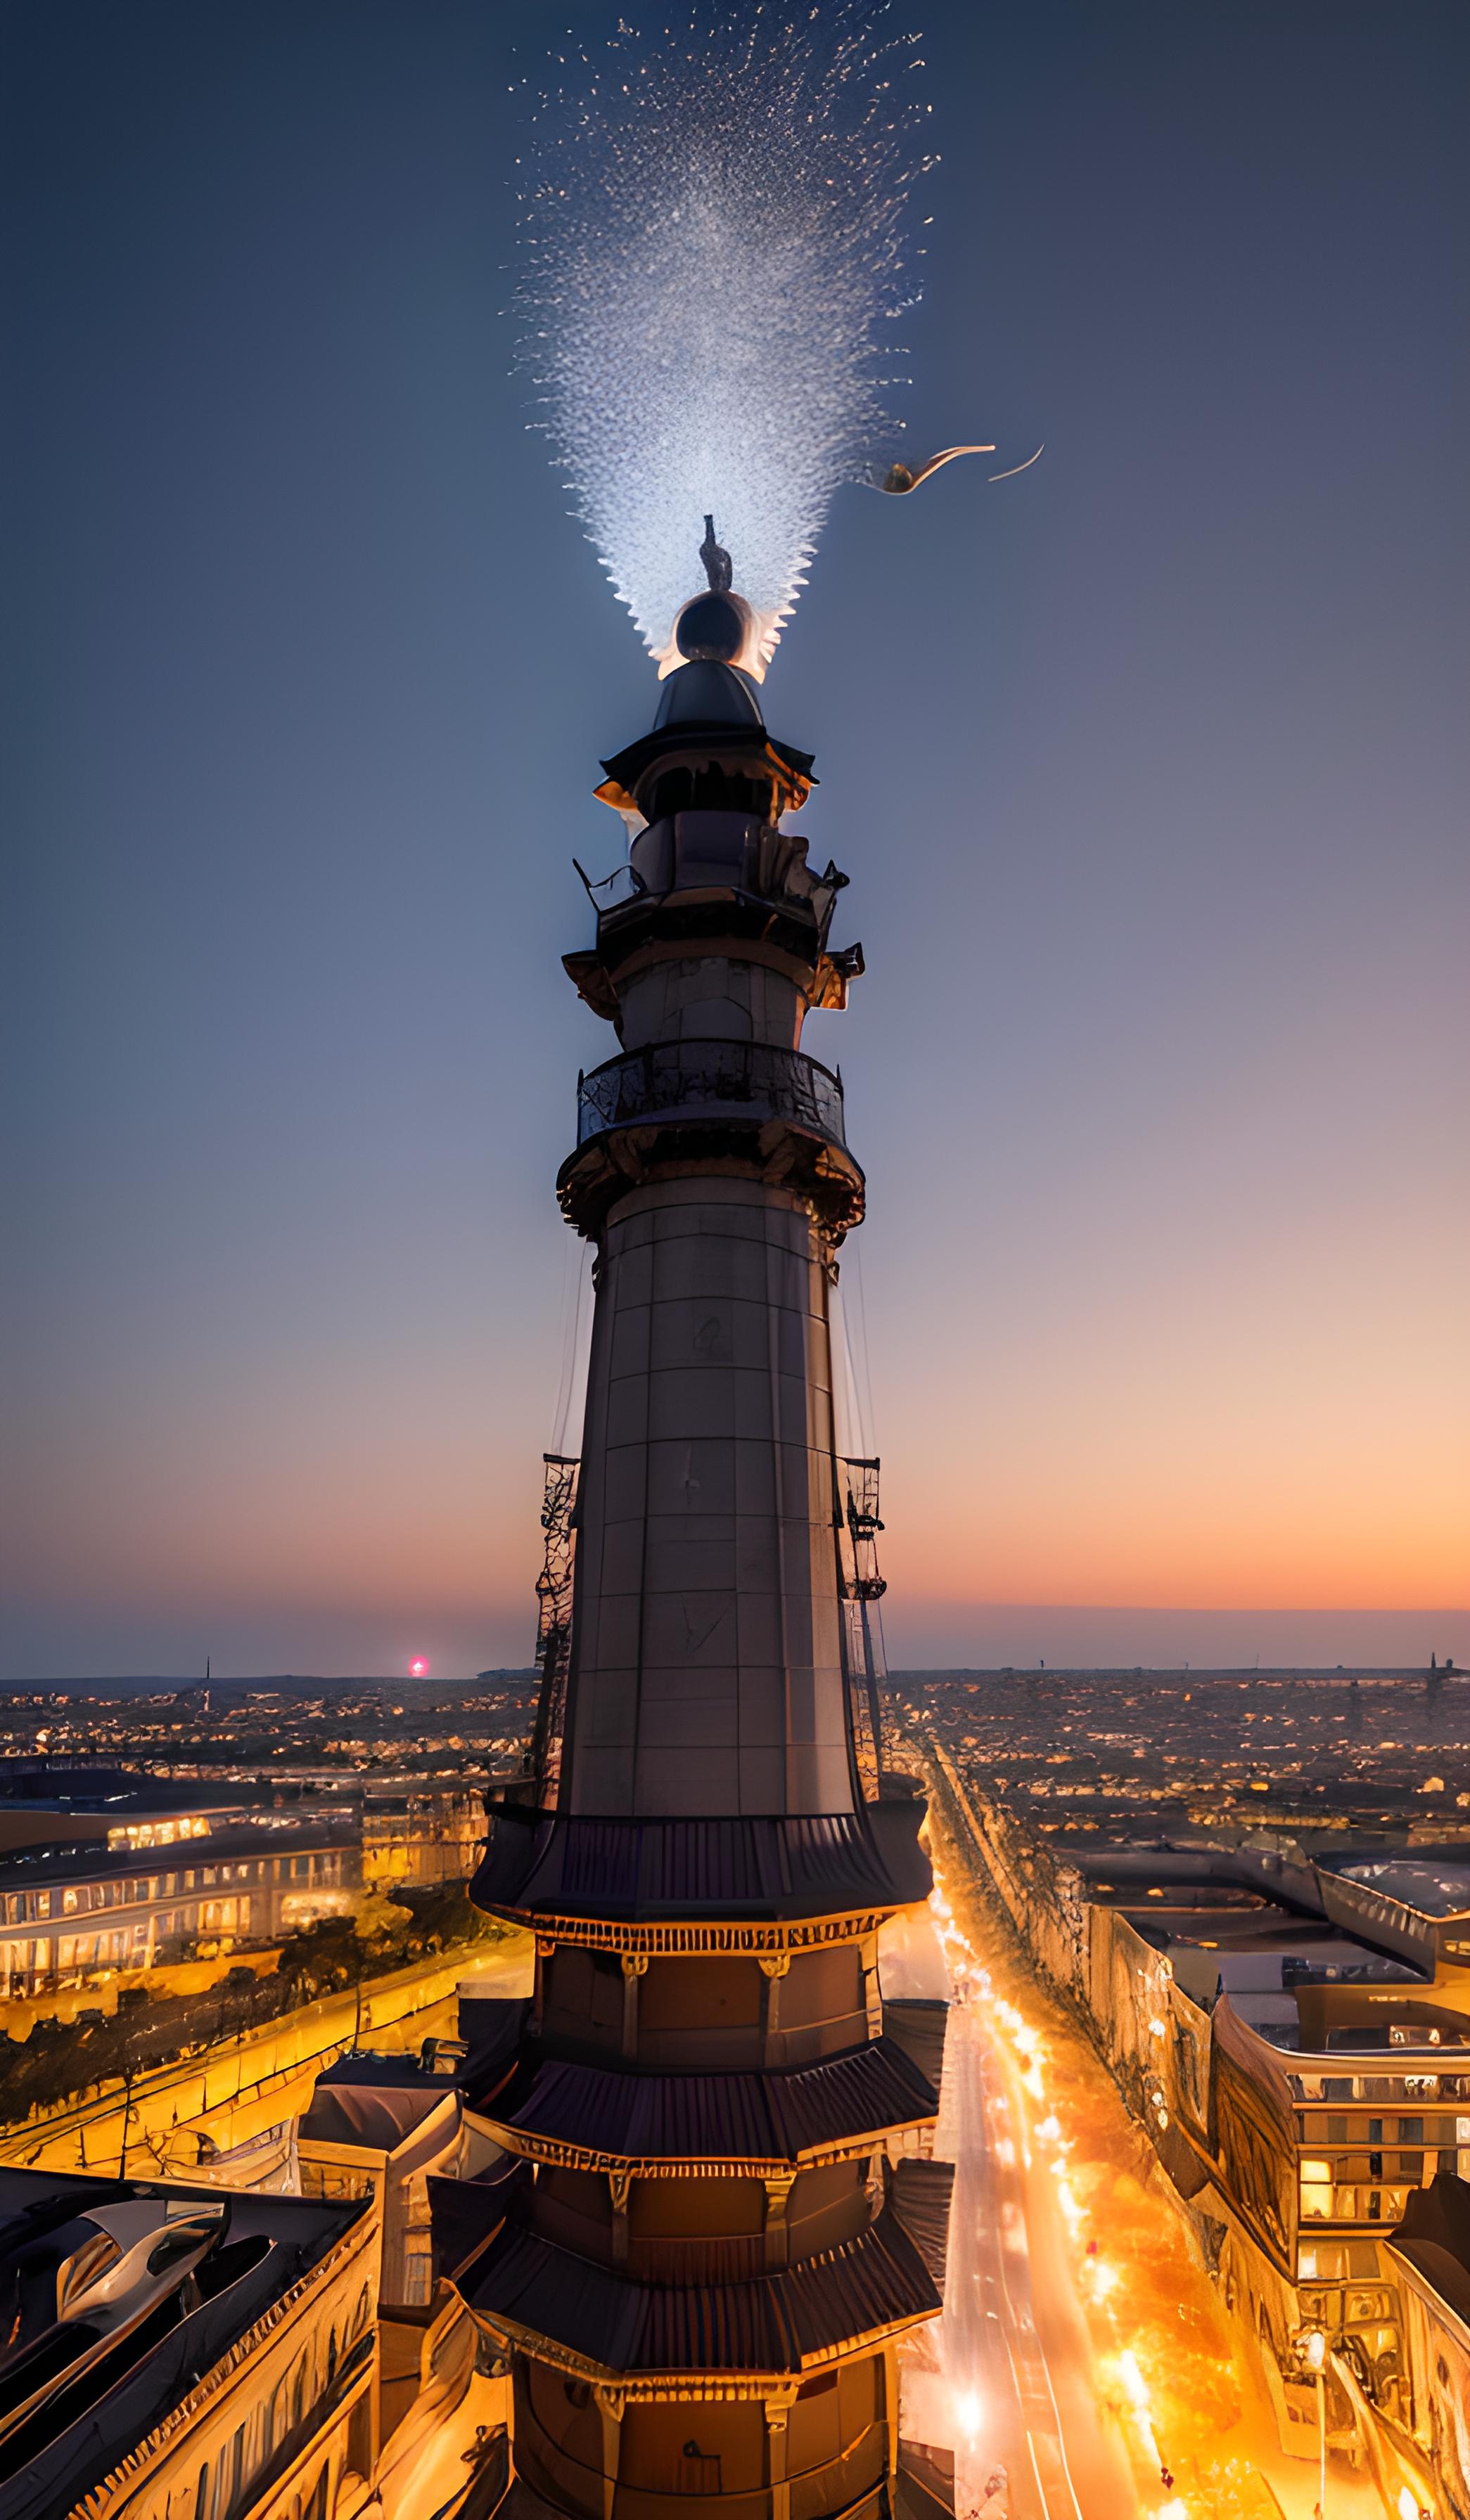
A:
(712, 2243)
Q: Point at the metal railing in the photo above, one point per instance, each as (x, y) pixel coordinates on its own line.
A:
(746, 1080)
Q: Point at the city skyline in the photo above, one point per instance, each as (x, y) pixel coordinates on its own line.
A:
(1148, 768)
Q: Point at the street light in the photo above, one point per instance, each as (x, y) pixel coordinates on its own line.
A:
(1311, 2354)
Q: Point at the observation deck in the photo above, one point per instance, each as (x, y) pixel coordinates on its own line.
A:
(744, 1080)
(720, 1105)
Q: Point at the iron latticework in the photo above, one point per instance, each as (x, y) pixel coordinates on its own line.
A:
(554, 1587)
(860, 1584)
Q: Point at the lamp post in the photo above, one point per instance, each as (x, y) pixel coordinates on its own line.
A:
(1311, 2354)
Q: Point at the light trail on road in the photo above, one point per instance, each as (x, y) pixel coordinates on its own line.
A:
(1013, 2340)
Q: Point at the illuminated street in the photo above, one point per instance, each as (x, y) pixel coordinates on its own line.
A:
(1082, 2346)
(1012, 2317)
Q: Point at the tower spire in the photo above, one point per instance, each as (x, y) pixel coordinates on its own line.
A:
(704, 2236)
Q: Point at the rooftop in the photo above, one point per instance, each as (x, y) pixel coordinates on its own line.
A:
(773, 2116)
(1433, 1886)
(521, 2283)
(637, 1869)
(122, 1794)
(118, 2295)
(73, 1859)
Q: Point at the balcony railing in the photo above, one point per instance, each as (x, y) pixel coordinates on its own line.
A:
(708, 1080)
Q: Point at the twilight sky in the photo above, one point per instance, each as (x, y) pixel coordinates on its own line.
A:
(1149, 770)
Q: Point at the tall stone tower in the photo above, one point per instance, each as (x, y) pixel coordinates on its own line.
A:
(708, 2247)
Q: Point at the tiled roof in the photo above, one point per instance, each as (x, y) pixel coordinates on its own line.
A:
(919, 2023)
(783, 2322)
(491, 2027)
(691, 2117)
(555, 1863)
(463, 2212)
(920, 2193)
(373, 2120)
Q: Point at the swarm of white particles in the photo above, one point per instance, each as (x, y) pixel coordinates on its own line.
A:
(712, 250)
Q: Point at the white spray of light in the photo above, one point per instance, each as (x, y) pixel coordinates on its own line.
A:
(712, 245)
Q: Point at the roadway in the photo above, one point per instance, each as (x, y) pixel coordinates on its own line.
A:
(1008, 2376)
(1016, 2341)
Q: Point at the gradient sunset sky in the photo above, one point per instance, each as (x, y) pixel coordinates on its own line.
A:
(1149, 770)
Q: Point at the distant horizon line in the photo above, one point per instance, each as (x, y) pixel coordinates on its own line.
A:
(1444, 1666)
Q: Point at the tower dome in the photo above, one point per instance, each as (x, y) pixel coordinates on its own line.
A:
(708, 694)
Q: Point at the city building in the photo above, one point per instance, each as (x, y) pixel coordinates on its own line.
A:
(1295, 2039)
(413, 1832)
(381, 2127)
(70, 1908)
(107, 1871)
(175, 2353)
(49, 1802)
(1342, 1758)
(699, 2270)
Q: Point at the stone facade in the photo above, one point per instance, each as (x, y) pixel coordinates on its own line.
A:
(707, 1617)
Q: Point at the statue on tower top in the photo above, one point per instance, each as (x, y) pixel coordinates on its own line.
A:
(719, 568)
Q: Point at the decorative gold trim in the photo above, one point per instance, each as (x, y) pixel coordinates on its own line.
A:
(556, 2154)
(653, 2388)
(693, 1941)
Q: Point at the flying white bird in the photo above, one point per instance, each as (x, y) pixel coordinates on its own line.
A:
(898, 479)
